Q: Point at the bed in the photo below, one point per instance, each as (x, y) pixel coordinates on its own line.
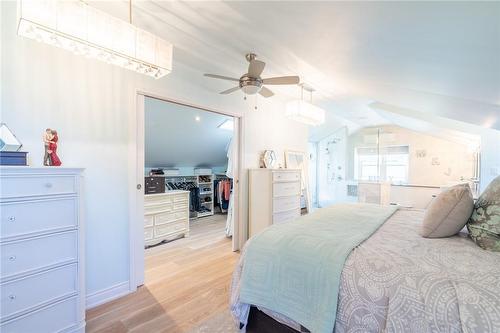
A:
(397, 281)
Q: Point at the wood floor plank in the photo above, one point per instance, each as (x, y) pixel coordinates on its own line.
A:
(186, 282)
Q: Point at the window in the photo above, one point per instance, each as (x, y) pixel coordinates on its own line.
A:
(388, 164)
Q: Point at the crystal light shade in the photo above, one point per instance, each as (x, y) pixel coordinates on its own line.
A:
(305, 112)
(83, 30)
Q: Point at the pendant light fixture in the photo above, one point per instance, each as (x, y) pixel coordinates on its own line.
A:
(84, 30)
(303, 111)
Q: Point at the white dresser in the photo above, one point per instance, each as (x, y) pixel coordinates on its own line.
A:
(166, 216)
(274, 197)
(41, 240)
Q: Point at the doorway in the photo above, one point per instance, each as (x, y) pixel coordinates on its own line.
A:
(187, 147)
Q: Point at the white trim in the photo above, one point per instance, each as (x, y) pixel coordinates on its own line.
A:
(136, 177)
(108, 294)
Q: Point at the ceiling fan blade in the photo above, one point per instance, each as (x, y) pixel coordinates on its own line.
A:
(266, 92)
(282, 80)
(255, 68)
(225, 92)
(215, 76)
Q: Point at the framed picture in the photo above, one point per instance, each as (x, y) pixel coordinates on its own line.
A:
(297, 160)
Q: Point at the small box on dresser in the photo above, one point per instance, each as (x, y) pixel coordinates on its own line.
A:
(274, 197)
(41, 239)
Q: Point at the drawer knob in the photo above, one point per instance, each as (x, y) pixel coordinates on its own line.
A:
(12, 297)
(12, 218)
(12, 258)
(48, 185)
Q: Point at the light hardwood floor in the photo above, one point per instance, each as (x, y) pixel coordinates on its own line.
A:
(186, 282)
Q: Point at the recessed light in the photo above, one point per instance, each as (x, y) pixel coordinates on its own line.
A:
(228, 124)
(197, 118)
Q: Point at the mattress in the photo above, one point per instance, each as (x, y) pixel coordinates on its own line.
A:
(397, 281)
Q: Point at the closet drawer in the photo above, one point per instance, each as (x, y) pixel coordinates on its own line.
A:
(285, 217)
(180, 198)
(148, 233)
(148, 220)
(170, 217)
(286, 203)
(286, 189)
(27, 293)
(54, 318)
(170, 228)
(181, 205)
(151, 200)
(27, 255)
(156, 209)
(37, 216)
(286, 176)
(14, 187)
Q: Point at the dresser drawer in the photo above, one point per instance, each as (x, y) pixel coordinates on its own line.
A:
(158, 208)
(148, 220)
(27, 293)
(37, 216)
(286, 176)
(286, 189)
(170, 217)
(285, 217)
(170, 228)
(181, 205)
(286, 203)
(54, 318)
(180, 197)
(148, 233)
(25, 185)
(151, 200)
(35, 253)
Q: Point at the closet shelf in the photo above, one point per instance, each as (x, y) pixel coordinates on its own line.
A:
(205, 183)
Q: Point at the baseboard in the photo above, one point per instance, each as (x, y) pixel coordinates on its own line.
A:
(108, 294)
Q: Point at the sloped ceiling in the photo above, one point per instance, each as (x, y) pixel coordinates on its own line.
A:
(174, 138)
(438, 58)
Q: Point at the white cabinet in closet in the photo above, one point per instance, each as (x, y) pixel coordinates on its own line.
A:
(166, 216)
(274, 197)
(41, 239)
(205, 185)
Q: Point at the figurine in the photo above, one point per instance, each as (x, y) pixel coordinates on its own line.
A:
(47, 136)
(54, 159)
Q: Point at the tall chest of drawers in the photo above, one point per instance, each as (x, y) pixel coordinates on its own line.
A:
(41, 246)
(274, 197)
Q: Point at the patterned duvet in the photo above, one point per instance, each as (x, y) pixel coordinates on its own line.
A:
(397, 281)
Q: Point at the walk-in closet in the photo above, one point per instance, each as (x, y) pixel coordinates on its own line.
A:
(188, 170)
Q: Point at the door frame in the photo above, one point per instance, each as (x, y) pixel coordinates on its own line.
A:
(136, 182)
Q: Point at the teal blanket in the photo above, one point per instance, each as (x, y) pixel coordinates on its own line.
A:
(294, 268)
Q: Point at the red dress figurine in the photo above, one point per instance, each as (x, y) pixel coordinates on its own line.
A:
(55, 161)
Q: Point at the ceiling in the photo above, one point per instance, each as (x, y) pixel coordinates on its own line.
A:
(437, 58)
(175, 138)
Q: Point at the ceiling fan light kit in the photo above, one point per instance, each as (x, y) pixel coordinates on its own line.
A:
(305, 112)
(84, 30)
(251, 82)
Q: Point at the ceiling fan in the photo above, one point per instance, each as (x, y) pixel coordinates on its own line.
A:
(251, 82)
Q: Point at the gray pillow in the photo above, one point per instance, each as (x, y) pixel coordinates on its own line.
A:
(448, 213)
(484, 224)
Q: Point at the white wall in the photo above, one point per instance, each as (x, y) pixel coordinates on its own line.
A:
(455, 160)
(490, 156)
(92, 105)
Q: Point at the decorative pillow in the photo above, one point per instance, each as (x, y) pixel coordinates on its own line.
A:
(448, 213)
(484, 224)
